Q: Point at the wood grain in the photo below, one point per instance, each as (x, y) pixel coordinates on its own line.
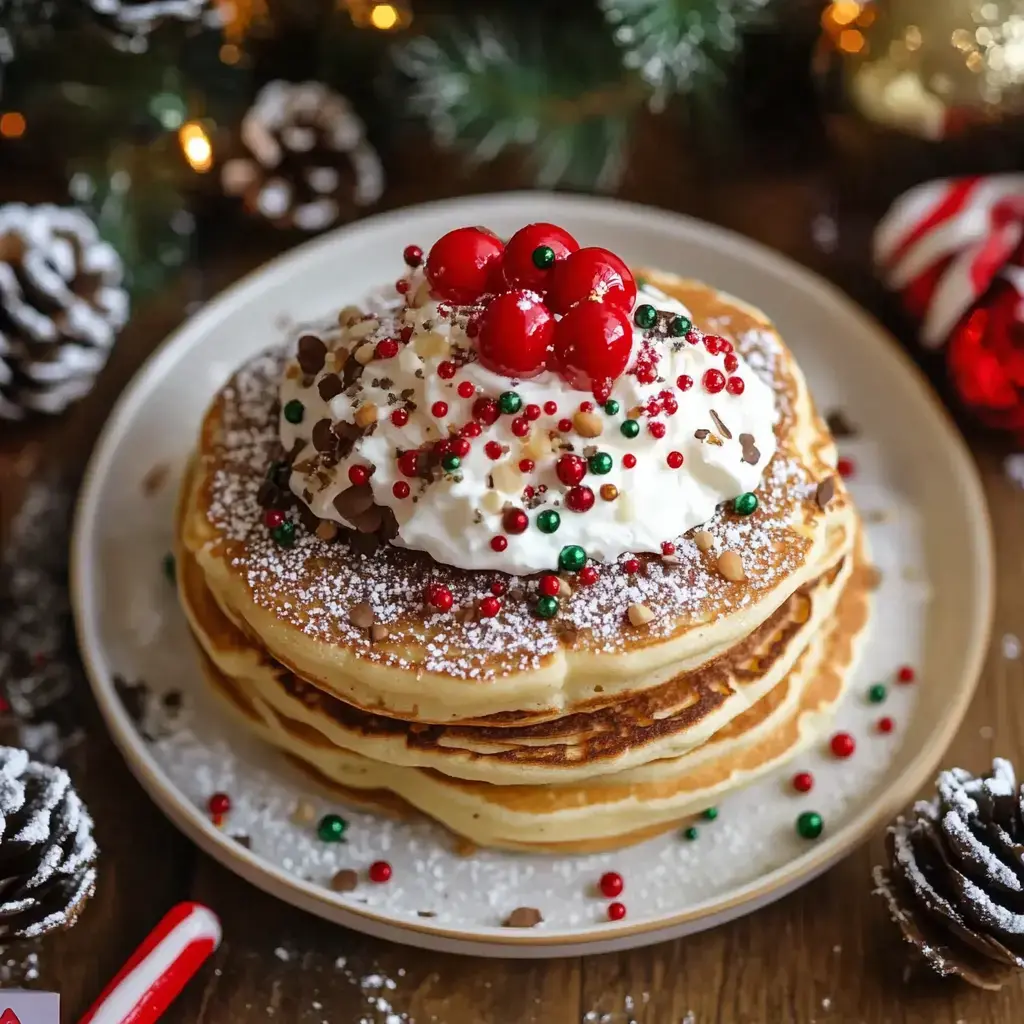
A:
(824, 954)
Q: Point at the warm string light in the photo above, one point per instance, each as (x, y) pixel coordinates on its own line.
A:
(385, 17)
(196, 146)
(238, 16)
(843, 20)
(12, 125)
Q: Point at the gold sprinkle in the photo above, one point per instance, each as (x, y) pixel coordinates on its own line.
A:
(609, 492)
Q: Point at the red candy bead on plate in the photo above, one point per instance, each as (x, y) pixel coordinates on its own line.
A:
(886, 724)
(460, 446)
(466, 389)
(380, 871)
(905, 675)
(616, 911)
(219, 804)
(516, 334)
(611, 884)
(592, 344)
(735, 386)
(460, 264)
(400, 489)
(400, 417)
(409, 463)
(273, 518)
(413, 255)
(591, 272)
(523, 267)
(358, 475)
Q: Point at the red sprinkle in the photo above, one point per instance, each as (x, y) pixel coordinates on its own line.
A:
(886, 724)
(498, 543)
(498, 588)
(532, 412)
(714, 381)
(632, 566)
(460, 446)
(400, 489)
(667, 547)
(515, 520)
(845, 467)
(674, 459)
(586, 406)
(358, 475)
(579, 499)
(273, 518)
(219, 804)
(439, 596)
(405, 333)
(550, 585)
(493, 450)
(843, 744)
(616, 911)
(528, 492)
(526, 465)
(486, 410)
(386, 349)
(401, 286)
(570, 469)
(588, 576)
(565, 426)
(611, 884)
(657, 428)
(409, 463)
(520, 426)
(803, 782)
(413, 255)
(446, 370)
(731, 363)
(466, 389)
(735, 386)
(489, 607)
(439, 409)
(551, 408)
(400, 417)
(629, 460)
(470, 430)
(906, 674)
(684, 382)
(380, 871)
(671, 406)
(442, 446)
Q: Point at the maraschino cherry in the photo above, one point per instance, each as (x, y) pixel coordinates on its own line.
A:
(516, 332)
(461, 263)
(592, 344)
(532, 253)
(588, 273)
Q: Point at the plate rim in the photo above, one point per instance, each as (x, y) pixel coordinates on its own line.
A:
(492, 939)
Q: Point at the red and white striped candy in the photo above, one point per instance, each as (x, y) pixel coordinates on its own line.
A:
(159, 969)
(972, 226)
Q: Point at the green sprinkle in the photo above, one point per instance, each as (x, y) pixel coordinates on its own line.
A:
(543, 257)
(691, 833)
(745, 504)
(611, 407)
(711, 813)
(168, 566)
(629, 428)
(601, 463)
(294, 411)
(284, 534)
(877, 693)
(572, 558)
(331, 828)
(645, 316)
(679, 326)
(547, 607)
(509, 402)
(641, 282)
(809, 825)
(451, 463)
(548, 521)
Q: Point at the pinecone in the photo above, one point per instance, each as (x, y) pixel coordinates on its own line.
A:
(955, 881)
(306, 159)
(47, 850)
(61, 306)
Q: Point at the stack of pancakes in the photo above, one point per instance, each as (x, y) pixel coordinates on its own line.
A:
(579, 733)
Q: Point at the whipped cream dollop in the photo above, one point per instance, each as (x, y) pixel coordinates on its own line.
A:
(346, 422)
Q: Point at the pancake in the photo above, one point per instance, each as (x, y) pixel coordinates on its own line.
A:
(297, 603)
(589, 817)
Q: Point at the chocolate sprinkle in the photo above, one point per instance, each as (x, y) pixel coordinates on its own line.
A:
(323, 438)
(345, 880)
(311, 354)
(701, 434)
(826, 491)
(722, 428)
(523, 917)
(840, 426)
(751, 453)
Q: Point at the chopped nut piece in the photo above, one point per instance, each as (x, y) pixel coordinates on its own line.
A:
(730, 565)
(639, 614)
(327, 529)
(378, 632)
(365, 353)
(588, 424)
(507, 477)
(361, 615)
(430, 345)
(349, 315)
(704, 540)
(366, 414)
(523, 917)
(362, 329)
(304, 813)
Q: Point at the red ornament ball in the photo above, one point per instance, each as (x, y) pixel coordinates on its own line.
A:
(526, 465)
(532, 412)
(565, 426)
(803, 782)
(439, 597)
(380, 872)
(460, 264)
(400, 417)
(413, 255)
(466, 390)
(671, 406)
(632, 566)
(515, 520)
(735, 386)
(579, 499)
(886, 724)
(684, 382)
(499, 543)
(656, 429)
(439, 409)
(409, 463)
(592, 272)
(592, 344)
(629, 460)
(273, 518)
(588, 576)
(470, 430)
(519, 265)
(493, 450)
(842, 744)
(520, 426)
(442, 447)
(674, 460)
(550, 585)
(400, 489)
(486, 411)
(460, 446)
(732, 363)
(714, 381)
(551, 408)
(358, 475)
(219, 804)
(905, 674)
(571, 469)
(446, 370)
(489, 607)
(616, 911)
(611, 884)
(667, 547)
(516, 334)
(387, 348)
(498, 588)
(401, 286)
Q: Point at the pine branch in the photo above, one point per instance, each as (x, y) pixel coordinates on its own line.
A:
(677, 46)
(493, 86)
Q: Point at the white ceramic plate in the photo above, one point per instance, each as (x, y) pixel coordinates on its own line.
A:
(929, 534)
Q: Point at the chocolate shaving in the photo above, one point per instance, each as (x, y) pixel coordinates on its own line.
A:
(368, 521)
(826, 491)
(268, 495)
(701, 434)
(351, 371)
(345, 880)
(244, 841)
(722, 428)
(330, 386)
(323, 438)
(839, 425)
(523, 917)
(311, 354)
(751, 453)
(354, 501)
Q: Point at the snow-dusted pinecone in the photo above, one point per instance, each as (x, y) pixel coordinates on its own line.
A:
(306, 159)
(47, 852)
(955, 878)
(61, 307)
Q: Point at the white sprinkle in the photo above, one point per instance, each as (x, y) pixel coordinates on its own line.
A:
(1014, 468)
(1011, 646)
(282, 954)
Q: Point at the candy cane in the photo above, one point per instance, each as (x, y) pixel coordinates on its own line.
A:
(159, 969)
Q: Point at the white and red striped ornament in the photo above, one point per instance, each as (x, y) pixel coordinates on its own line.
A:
(944, 243)
(160, 968)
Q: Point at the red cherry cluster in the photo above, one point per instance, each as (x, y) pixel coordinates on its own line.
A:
(541, 273)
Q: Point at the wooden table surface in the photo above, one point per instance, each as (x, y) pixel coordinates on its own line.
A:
(825, 953)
